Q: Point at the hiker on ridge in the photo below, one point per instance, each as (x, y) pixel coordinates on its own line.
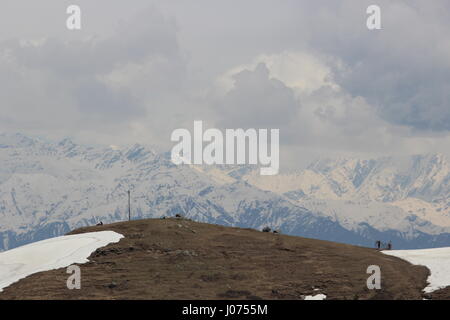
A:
(378, 244)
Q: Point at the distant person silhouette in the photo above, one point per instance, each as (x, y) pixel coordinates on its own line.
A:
(389, 246)
(378, 244)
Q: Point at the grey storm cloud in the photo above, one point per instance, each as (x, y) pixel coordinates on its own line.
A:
(257, 101)
(138, 72)
(72, 76)
(147, 33)
(403, 70)
(96, 99)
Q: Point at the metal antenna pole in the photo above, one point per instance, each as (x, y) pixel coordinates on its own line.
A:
(129, 206)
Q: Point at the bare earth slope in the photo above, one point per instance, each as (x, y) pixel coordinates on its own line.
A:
(182, 259)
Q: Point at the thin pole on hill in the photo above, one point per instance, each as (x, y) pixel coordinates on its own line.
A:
(129, 206)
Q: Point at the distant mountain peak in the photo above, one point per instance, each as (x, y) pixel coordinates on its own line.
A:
(48, 188)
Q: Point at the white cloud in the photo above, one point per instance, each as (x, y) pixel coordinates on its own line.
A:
(328, 83)
(299, 70)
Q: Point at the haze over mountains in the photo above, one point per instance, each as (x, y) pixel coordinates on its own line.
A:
(48, 188)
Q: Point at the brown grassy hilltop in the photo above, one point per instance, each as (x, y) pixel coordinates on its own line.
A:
(181, 259)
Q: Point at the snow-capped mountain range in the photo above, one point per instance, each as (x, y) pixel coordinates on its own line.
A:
(386, 192)
(48, 188)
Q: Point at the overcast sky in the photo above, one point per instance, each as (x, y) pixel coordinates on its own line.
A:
(139, 69)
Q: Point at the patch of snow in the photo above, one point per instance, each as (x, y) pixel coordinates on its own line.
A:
(50, 254)
(316, 297)
(436, 260)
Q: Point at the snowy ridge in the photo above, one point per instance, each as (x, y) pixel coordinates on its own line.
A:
(436, 260)
(55, 253)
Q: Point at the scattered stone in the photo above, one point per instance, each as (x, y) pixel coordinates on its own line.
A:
(186, 253)
(427, 296)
